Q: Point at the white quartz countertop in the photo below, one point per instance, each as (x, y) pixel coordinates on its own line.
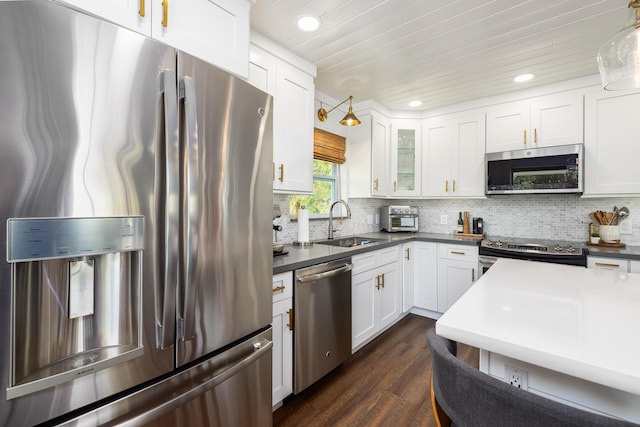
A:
(582, 322)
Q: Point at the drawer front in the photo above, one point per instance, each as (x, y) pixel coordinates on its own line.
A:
(614, 264)
(458, 252)
(282, 286)
(373, 259)
(363, 262)
(388, 255)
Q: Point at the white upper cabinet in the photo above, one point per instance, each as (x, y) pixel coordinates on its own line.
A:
(453, 156)
(380, 146)
(293, 111)
(134, 15)
(406, 143)
(262, 70)
(538, 122)
(611, 143)
(216, 31)
(507, 127)
(293, 130)
(367, 159)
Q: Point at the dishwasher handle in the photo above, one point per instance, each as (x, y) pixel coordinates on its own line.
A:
(330, 273)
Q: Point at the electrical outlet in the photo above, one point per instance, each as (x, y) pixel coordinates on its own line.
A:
(377, 218)
(516, 377)
(369, 219)
(443, 219)
(626, 227)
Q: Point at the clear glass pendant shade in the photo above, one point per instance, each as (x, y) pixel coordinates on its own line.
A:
(619, 57)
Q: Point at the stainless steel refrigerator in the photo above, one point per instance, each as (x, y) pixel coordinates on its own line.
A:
(135, 282)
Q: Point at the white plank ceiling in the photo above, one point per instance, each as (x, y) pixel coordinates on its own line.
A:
(441, 52)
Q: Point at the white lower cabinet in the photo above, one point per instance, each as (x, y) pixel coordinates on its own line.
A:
(457, 270)
(425, 270)
(376, 293)
(282, 374)
(408, 276)
(634, 266)
(606, 263)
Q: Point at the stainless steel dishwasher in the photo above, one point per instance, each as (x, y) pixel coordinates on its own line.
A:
(322, 313)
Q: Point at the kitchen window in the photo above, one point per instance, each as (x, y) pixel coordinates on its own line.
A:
(328, 153)
(326, 188)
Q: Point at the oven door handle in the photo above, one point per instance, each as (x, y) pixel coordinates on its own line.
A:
(487, 261)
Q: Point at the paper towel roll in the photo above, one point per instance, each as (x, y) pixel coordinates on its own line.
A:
(303, 224)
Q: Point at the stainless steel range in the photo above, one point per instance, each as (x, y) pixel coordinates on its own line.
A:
(557, 252)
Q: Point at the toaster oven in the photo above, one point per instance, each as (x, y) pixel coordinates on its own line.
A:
(399, 218)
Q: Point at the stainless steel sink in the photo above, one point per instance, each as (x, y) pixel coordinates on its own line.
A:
(349, 242)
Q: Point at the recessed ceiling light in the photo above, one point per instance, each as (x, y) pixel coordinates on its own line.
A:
(415, 103)
(523, 78)
(308, 23)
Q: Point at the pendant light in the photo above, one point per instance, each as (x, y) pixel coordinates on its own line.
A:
(619, 57)
(349, 120)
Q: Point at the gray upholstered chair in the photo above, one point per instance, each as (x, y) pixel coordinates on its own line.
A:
(463, 396)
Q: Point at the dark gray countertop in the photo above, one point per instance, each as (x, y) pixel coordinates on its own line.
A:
(629, 252)
(299, 257)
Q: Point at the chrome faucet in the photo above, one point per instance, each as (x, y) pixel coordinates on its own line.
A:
(331, 230)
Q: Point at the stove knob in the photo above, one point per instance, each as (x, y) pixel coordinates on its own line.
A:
(571, 249)
(499, 244)
(557, 248)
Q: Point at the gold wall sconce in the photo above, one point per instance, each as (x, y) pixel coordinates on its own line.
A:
(349, 120)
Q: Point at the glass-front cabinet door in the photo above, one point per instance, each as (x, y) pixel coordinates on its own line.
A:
(405, 155)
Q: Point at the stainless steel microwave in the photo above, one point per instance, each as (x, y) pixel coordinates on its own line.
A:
(399, 218)
(555, 169)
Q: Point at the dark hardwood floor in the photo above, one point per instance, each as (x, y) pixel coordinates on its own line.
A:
(384, 384)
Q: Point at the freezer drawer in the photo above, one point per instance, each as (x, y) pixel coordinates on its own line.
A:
(232, 388)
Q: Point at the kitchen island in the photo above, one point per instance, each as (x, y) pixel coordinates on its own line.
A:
(564, 332)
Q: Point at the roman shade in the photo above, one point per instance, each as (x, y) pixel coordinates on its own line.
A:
(328, 146)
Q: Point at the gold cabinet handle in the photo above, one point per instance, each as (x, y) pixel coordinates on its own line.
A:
(278, 289)
(141, 9)
(604, 264)
(290, 324)
(273, 171)
(525, 137)
(375, 187)
(378, 282)
(281, 168)
(473, 275)
(383, 280)
(165, 13)
(395, 186)
(408, 256)
(454, 185)
(457, 253)
(535, 135)
(446, 186)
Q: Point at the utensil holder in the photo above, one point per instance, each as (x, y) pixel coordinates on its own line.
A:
(609, 233)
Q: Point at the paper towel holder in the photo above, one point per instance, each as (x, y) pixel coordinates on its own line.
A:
(299, 243)
(303, 244)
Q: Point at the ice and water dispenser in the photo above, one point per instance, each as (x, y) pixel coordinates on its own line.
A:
(76, 297)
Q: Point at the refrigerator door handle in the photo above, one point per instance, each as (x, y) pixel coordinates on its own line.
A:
(169, 228)
(186, 319)
(261, 348)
